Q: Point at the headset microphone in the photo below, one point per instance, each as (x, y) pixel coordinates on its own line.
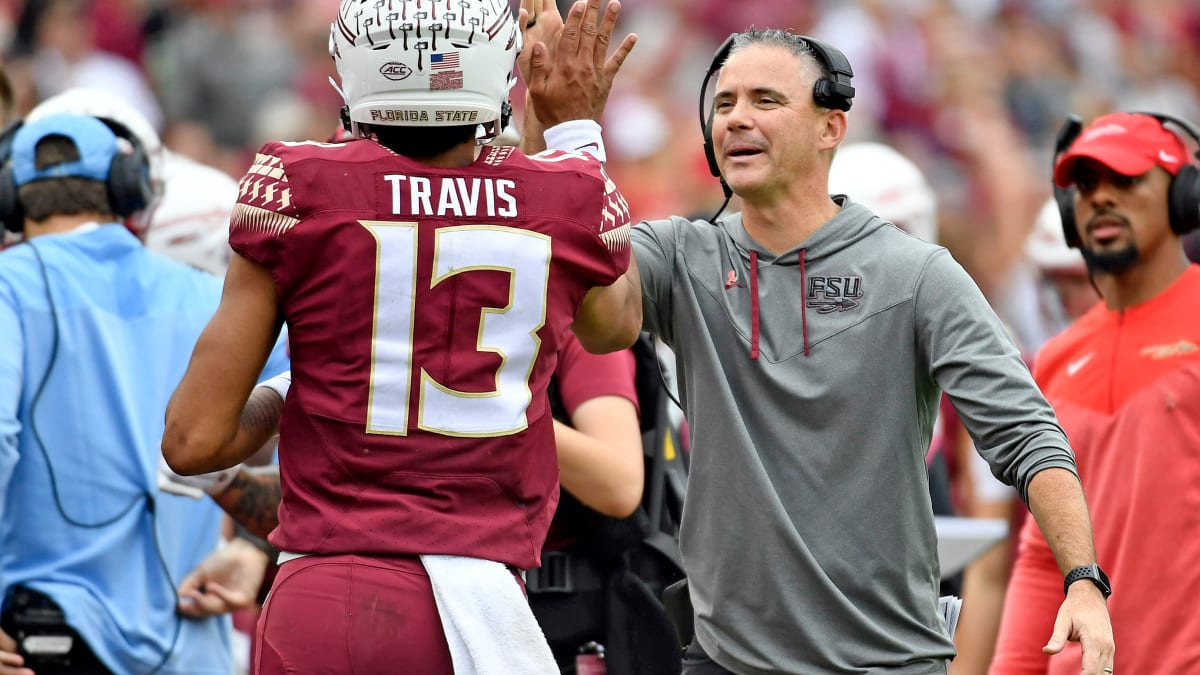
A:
(706, 117)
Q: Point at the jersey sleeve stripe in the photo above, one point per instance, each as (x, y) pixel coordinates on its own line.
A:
(246, 217)
(618, 239)
(614, 228)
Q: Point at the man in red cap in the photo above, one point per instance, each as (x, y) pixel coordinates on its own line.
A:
(1125, 383)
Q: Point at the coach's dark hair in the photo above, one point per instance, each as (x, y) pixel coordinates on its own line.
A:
(48, 197)
(421, 142)
(798, 45)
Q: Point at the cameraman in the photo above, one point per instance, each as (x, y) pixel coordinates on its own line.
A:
(98, 330)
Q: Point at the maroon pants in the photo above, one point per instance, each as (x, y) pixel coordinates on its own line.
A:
(351, 614)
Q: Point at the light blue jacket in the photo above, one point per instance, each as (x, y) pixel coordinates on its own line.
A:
(95, 333)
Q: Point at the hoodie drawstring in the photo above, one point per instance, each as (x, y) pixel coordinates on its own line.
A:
(803, 302)
(753, 305)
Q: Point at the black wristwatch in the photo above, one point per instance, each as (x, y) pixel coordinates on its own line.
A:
(1092, 573)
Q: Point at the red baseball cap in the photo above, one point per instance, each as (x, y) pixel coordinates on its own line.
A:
(1129, 143)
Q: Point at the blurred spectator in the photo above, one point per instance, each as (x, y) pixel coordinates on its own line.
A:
(215, 65)
(8, 100)
(1035, 75)
(65, 56)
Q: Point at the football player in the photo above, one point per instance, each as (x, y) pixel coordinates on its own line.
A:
(427, 280)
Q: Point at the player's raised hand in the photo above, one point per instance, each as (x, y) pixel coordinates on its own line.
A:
(571, 77)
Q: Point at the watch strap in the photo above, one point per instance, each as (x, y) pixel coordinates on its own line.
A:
(1092, 573)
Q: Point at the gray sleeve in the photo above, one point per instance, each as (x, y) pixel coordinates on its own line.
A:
(973, 359)
(654, 247)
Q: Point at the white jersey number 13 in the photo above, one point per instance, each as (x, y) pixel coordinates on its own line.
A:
(510, 331)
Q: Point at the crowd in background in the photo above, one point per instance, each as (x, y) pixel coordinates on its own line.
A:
(972, 90)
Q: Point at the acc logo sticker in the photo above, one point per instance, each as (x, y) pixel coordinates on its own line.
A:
(394, 70)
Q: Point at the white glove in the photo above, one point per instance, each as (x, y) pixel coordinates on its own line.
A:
(194, 486)
(279, 384)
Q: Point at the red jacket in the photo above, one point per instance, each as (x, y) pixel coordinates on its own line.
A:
(1126, 388)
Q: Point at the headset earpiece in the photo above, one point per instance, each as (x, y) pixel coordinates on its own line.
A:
(1065, 197)
(833, 91)
(1183, 200)
(10, 206)
(129, 188)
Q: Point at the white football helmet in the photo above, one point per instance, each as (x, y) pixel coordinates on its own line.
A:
(191, 223)
(1047, 247)
(885, 181)
(426, 62)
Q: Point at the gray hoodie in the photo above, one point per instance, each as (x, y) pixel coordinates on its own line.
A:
(811, 383)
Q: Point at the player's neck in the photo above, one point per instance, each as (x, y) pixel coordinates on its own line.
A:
(463, 154)
(59, 224)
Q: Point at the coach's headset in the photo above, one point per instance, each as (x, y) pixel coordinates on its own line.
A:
(1183, 196)
(832, 90)
(128, 182)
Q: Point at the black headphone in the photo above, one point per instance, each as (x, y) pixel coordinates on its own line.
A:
(829, 91)
(1183, 197)
(128, 182)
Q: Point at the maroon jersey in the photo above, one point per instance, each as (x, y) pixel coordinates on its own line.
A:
(425, 309)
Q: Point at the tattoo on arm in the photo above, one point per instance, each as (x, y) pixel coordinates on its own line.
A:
(252, 499)
(260, 415)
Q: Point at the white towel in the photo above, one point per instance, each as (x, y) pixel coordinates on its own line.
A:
(487, 620)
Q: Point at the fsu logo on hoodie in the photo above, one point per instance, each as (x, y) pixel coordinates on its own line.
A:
(834, 294)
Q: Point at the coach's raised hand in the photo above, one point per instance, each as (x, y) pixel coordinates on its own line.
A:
(571, 75)
(539, 22)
